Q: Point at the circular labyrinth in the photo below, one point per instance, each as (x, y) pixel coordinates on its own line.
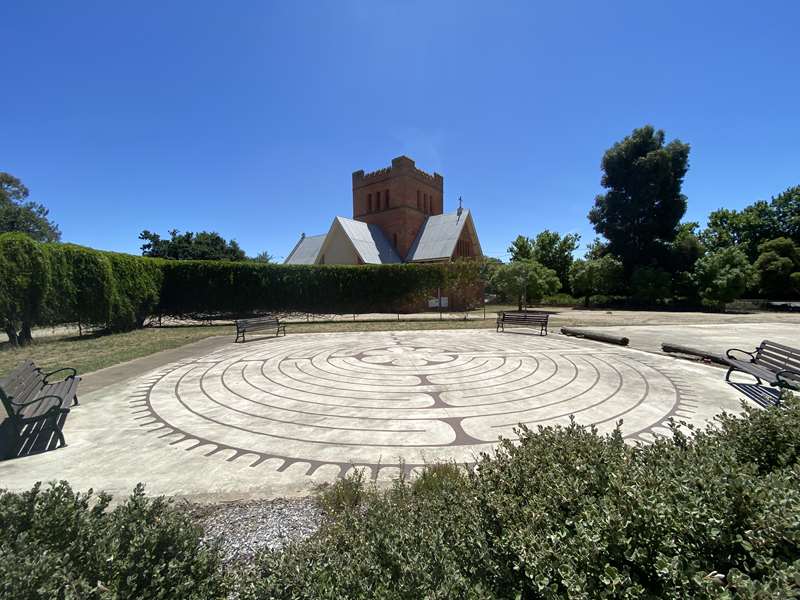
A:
(410, 397)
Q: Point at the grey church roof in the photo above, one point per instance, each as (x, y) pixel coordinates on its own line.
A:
(437, 238)
(306, 250)
(369, 242)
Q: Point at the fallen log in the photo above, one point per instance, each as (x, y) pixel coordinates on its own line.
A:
(677, 349)
(593, 335)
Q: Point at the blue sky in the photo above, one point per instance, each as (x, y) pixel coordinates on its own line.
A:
(248, 118)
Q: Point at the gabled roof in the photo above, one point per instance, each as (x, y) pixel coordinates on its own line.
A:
(368, 241)
(437, 238)
(306, 250)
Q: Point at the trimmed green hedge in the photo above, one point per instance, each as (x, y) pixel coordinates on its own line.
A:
(236, 288)
(65, 283)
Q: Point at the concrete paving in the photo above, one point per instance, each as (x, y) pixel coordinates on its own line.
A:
(276, 416)
(715, 338)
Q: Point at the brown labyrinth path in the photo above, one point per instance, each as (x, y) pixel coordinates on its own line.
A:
(383, 398)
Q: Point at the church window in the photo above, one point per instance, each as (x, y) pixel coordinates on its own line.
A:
(419, 206)
(395, 240)
(369, 202)
(377, 200)
(386, 195)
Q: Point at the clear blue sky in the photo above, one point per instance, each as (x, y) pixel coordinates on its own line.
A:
(248, 118)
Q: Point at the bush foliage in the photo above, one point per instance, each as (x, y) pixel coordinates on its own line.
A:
(65, 283)
(567, 513)
(56, 543)
(562, 513)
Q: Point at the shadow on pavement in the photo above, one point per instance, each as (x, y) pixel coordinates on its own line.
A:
(36, 438)
(761, 395)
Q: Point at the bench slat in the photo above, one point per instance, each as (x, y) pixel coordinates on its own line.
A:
(770, 359)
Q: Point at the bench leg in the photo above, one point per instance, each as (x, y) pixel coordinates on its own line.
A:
(732, 369)
(75, 400)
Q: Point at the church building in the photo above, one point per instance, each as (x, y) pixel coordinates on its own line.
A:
(398, 216)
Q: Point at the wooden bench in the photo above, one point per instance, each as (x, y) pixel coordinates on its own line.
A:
(774, 363)
(523, 318)
(30, 397)
(257, 324)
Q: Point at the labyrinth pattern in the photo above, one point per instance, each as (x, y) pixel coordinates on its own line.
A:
(380, 398)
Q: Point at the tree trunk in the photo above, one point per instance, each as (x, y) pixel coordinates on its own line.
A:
(11, 332)
(25, 335)
(586, 302)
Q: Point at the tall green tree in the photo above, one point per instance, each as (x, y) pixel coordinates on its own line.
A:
(778, 259)
(521, 248)
(786, 206)
(264, 257)
(746, 229)
(641, 211)
(18, 214)
(595, 276)
(527, 281)
(205, 245)
(554, 251)
(723, 276)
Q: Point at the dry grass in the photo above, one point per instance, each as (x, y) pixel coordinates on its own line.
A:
(97, 351)
(92, 352)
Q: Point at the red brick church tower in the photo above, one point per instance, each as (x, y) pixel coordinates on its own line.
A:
(398, 199)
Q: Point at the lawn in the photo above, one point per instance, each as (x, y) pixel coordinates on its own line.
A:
(97, 351)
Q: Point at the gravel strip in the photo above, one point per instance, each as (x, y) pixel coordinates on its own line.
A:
(244, 528)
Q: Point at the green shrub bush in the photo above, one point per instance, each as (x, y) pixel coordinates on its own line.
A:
(136, 290)
(65, 283)
(56, 543)
(567, 513)
(24, 283)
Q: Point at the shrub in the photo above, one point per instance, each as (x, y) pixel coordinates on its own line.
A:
(65, 283)
(723, 276)
(84, 288)
(24, 281)
(136, 290)
(567, 513)
(56, 543)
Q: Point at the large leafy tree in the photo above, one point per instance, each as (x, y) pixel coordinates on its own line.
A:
(18, 214)
(595, 276)
(641, 211)
(778, 259)
(521, 248)
(747, 229)
(755, 224)
(527, 281)
(786, 207)
(723, 276)
(554, 251)
(204, 245)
